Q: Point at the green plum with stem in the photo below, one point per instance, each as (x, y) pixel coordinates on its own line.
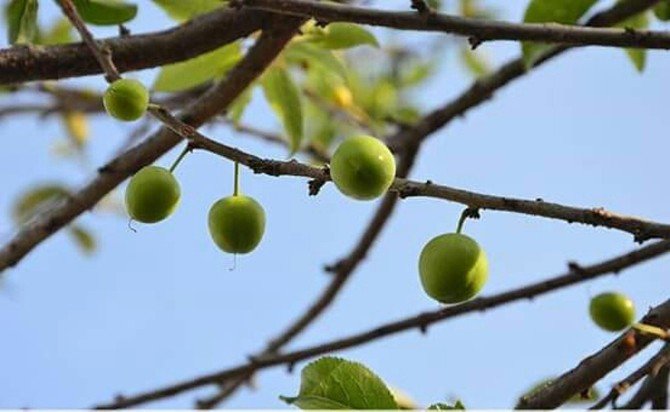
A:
(236, 223)
(362, 167)
(126, 100)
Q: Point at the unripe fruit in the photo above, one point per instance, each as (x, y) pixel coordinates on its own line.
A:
(362, 167)
(152, 194)
(236, 224)
(453, 268)
(126, 99)
(612, 311)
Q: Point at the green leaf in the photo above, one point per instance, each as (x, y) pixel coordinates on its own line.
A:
(475, 62)
(83, 238)
(310, 55)
(345, 36)
(21, 21)
(182, 10)
(60, 33)
(637, 56)
(551, 11)
(238, 106)
(190, 73)
(35, 200)
(284, 98)
(662, 10)
(106, 12)
(446, 407)
(333, 383)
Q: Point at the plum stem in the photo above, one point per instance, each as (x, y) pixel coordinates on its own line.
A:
(179, 158)
(236, 189)
(467, 213)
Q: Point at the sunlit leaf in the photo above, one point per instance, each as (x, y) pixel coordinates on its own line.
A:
(637, 56)
(333, 383)
(37, 199)
(284, 98)
(185, 75)
(345, 36)
(21, 18)
(458, 406)
(182, 10)
(551, 11)
(106, 12)
(475, 62)
(61, 32)
(310, 55)
(83, 238)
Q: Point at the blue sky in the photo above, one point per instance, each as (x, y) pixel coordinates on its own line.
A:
(158, 306)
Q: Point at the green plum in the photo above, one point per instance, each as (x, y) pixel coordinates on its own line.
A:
(152, 194)
(362, 167)
(236, 224)
(453, 268)
(612, 311)
(126, 100)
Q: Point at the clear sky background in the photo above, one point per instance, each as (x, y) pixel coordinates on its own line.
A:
(160, 305)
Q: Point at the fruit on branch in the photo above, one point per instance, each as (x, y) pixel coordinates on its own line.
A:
(152, 194)
(236, 224)
(612, 311)
(126, 99)
(362, 167)
(453, 268)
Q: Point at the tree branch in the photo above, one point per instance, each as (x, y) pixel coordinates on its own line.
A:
(651, 368)
(113, 173)
(595, 367)
(641, 229)
(480, 29)
(20, 64)
(484, 88)
(660, 316)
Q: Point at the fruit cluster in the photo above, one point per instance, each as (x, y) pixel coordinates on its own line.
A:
(453, 268)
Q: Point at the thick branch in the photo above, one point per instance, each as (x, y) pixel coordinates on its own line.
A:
(26, 63)
(660, 316)
(479, 29)
(651, 368)
(112, 174)
(595, 367)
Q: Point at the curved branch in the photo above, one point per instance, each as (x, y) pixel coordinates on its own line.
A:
(113, 173)
(478, 29)
(20, 64)
(660, 316)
